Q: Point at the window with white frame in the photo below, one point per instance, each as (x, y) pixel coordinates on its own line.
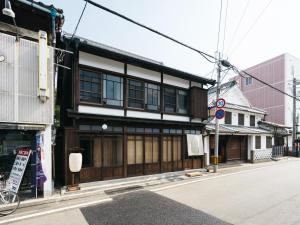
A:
(248, 81)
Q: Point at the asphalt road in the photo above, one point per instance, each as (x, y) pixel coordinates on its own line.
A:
(145, 208)
(262, 196)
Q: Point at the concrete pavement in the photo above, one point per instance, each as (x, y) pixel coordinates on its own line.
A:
(266, 193)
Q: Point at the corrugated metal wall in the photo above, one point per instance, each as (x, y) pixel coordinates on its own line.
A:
(19, 100)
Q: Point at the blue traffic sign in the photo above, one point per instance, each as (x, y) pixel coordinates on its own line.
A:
(220, 113)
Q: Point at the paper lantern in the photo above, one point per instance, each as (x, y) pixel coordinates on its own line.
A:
(75, 162)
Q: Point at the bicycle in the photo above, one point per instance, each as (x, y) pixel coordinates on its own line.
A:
(9, 200)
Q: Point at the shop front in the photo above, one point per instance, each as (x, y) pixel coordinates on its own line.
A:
(126, 151)
(11, 141)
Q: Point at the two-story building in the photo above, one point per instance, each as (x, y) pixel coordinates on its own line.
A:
(127, 114)
(239, 129)
(27, 89)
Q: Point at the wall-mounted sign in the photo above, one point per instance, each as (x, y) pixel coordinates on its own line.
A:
(220, 103)
(220, 113)
(18, 169)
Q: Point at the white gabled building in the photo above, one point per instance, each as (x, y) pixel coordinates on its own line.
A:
(239, 129)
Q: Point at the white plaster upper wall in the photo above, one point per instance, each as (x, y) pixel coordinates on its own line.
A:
(100, 110)
(196, 84)
(234, 118)
(100, 62)
(143, 73)
(247, 120)
(145, 115)
(235, 96)
(176, 118)
(176, 81)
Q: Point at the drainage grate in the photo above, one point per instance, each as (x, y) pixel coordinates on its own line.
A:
(123, 189)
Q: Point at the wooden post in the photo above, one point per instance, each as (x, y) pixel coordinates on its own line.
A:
(252, 156)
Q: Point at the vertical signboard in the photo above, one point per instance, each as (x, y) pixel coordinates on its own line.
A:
(18, 169)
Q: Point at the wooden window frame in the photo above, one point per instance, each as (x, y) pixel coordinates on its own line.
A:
(228, 119)
(252, 121)
(269, 142)
(257, 142)
(241, 119)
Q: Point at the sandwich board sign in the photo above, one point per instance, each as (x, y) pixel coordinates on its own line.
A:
(18, 169)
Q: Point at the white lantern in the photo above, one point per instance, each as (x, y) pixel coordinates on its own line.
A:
(75, 162)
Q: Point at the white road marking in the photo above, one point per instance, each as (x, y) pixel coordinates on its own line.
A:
(55, 210)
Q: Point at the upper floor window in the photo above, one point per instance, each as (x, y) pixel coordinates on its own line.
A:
(175, 100)
(135, 94)
(90, 86)
(112, 90)
(101, 88)
(241, 119)
(252, 121)
(248, 81)
(182, 101)
(228, 117)
(152, 96)
(143, 95)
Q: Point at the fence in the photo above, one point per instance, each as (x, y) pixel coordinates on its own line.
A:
(268, 154)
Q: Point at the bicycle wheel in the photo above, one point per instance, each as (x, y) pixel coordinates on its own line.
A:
(9, 202)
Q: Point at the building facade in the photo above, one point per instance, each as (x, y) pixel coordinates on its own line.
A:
(146, 107)
(278, 72)
(27, 91)
(239, 130)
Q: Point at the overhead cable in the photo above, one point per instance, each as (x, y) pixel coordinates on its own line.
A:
(207, 56)
(251, 27)
(242, 72)
(79, 21)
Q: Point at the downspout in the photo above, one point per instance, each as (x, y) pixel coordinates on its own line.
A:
(53, 16)
(53, 13)
(34, 5)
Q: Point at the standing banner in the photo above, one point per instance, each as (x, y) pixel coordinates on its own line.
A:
(18, 169)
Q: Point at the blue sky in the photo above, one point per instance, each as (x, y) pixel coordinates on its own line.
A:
(259, 37)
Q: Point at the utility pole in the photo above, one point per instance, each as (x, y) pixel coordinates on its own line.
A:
(294, 113)
(216, 153)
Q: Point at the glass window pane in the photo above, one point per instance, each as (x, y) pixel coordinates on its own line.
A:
(182, 101)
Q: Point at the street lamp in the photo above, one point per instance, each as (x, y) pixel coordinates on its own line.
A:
(7, 9)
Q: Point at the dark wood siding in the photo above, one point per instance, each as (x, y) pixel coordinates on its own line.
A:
(198, 103)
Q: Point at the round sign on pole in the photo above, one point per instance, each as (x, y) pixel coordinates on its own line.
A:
(220, 103)
(220, 113)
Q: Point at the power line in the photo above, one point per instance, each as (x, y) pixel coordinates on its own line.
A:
(220, 20)
(203, 54)
(252, 26)
(240, 72)
(79, 20)
(238, 25)
(225, 23)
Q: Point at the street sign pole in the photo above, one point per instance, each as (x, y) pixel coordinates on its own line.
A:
(216, 153)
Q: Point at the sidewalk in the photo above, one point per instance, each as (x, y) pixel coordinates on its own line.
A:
(104, 189)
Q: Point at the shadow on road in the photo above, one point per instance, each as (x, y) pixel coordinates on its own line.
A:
(143, 208)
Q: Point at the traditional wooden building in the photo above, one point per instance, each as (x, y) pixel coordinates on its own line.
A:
(239, 130)
(146, 107)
